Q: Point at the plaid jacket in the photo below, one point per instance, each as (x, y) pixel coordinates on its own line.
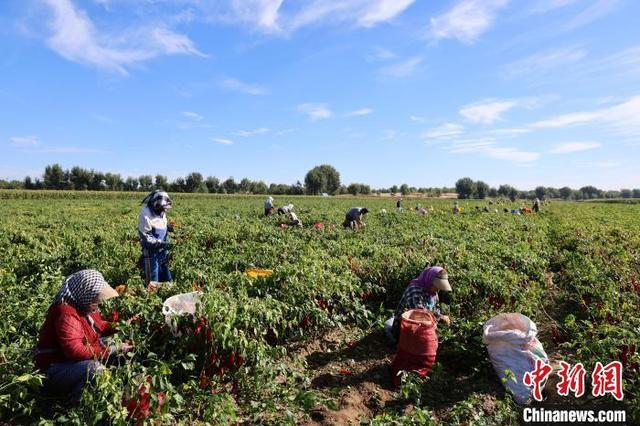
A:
(415, 297)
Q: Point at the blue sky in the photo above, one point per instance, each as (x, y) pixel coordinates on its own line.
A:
(388, 91)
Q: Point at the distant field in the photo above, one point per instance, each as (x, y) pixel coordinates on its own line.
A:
(308, 336)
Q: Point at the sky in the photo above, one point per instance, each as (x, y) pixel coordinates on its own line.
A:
(524, 92)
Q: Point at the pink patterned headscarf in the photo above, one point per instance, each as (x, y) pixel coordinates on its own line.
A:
(425, 279)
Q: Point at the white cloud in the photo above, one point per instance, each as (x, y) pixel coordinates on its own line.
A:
(445, 131)
(382, 10)
(192, 115)
(512, 154)
(359, 13)
(315, 112)
(510, 132)
(467, 20)
(380, 54)
(416, 119)
(623, 119)
(24, 141)
(236, 85)
(359, 112)
(75, 38)
(404, 68)
(544, 6)
(595, 11)
(222, 141)
(263, 13)
(565, 120)
(488, 147)
(254, 132)
(569, 147)
(487, 111)
(544, 62)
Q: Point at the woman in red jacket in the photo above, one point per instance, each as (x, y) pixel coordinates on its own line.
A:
(71, 347)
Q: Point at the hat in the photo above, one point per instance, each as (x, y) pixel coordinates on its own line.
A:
(441, 281)
(107, 292)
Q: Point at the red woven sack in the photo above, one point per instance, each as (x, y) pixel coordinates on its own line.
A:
(417, 345)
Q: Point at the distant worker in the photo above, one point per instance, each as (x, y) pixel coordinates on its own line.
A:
(71, 347)
(268, 206)
(421, 210)
(399, 204)
(354, 217)
(285, 209)
(422, 292)
(293, 220)
(536, 205)
(456, 208)
(153, 229)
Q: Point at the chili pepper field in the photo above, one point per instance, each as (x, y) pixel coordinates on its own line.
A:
(305, 344)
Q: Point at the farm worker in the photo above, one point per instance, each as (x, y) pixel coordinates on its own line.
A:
(153, 229)
(456, 208)
(293, 219)
(285, 209)
(71, 346)
(399, 204)
(536, 205)
(422, 292)
(268, 206)
(421, 210)
(354, 216)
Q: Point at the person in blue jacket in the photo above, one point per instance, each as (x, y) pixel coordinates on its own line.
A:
(153, 229)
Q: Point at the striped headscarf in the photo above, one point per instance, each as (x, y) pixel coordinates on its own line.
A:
(81, 289)
(158, 200)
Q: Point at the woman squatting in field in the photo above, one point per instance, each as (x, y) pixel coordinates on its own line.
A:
(422, 292)
(72, 344)
(153, 229)
(354, 216)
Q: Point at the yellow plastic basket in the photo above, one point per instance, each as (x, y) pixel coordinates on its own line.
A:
(257, 272)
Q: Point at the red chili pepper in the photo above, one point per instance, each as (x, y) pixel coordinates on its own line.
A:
(345, 372)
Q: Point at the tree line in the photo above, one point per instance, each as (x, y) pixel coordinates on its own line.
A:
(322, 179)
(468, 188)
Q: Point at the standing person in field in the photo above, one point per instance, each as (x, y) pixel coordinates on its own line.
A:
(422, 292)
(456, 208)
(536, 205)
(153, 229)
(268, 206)
(71, 348)
(399, 204)
(285, 209)
(354, 217)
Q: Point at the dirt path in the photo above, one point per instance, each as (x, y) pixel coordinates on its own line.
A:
(353, 368)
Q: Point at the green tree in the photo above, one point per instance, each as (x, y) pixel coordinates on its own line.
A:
(161, 182)
(213, 184)
(193, 182)
(54, 177)
(482, 190)
(465, 187)
(146, 182)
(565, 192)
(323, 178)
